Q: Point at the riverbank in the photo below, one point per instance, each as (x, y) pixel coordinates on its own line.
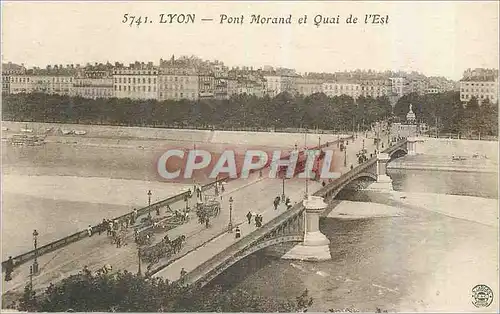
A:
(63, 133)
(438, 167)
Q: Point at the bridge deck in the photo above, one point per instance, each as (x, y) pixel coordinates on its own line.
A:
(267, 190)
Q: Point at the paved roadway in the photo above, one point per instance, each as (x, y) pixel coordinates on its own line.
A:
(255, 194)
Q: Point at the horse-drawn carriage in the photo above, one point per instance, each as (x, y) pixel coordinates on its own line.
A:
(144, 237)
(207, 209)
(165, 248)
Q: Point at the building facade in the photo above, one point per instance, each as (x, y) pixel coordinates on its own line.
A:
(307, 86)
(332, 89)
(206, 85)
(397, 86)
(9, 69)
(479, 87)
(374, 88)
(94, 84)
(49, 84)
(138, 81)
(178, 84)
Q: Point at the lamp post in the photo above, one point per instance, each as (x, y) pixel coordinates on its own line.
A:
(149, 204)
(283, 193)
(230, 225)
(345, 157)
(31, 279)
(139, 259)
(35, 243)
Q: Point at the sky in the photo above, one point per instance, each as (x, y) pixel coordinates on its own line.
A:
(435, 38)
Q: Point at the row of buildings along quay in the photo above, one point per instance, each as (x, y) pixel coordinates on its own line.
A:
(193, 79)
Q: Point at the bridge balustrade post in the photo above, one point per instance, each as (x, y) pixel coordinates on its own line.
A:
(316, 246)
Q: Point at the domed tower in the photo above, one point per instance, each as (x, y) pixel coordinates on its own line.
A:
(410, 116)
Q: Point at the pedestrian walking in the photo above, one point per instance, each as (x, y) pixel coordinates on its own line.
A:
(249, 217)
(102, 226)
(288, 203)
(183, 272)
(9, 268)
(110, 228)
(207, 221)
(256, 220)
(158, 211)
(166, 238)
(276, 202)
(238, 233)
(118, 240)
(259, 222)
(113, 236)
(89, 230)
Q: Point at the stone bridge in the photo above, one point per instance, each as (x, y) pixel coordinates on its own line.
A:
(300, 224)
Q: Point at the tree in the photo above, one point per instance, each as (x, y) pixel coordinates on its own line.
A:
(28, 301)
(127, 292)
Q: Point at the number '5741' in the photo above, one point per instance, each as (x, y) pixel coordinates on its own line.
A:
(131, 19)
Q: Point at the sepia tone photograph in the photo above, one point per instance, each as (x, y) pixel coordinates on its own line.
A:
(248, 156)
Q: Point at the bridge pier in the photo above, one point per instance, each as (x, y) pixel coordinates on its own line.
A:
(316, 246)
(411, 146)
(384, 182)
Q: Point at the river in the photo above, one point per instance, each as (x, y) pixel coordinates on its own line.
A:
(394, 263)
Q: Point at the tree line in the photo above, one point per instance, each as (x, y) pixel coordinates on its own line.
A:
(340, 113)
(127, 292)
(240, 111)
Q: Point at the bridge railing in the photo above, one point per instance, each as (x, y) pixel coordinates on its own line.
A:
(325, 191)
(60, 243)
(219, 259)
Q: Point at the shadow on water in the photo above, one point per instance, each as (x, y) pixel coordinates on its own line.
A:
(241, 270)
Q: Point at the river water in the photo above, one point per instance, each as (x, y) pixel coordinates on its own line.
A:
(389, 263)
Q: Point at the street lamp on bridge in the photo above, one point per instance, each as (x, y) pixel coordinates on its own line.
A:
(149, 204)
(35, 244)
(283, 193)
(139, 259)
(230, 225)
(345, 157)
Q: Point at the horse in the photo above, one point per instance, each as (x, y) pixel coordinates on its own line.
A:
(177, 243)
